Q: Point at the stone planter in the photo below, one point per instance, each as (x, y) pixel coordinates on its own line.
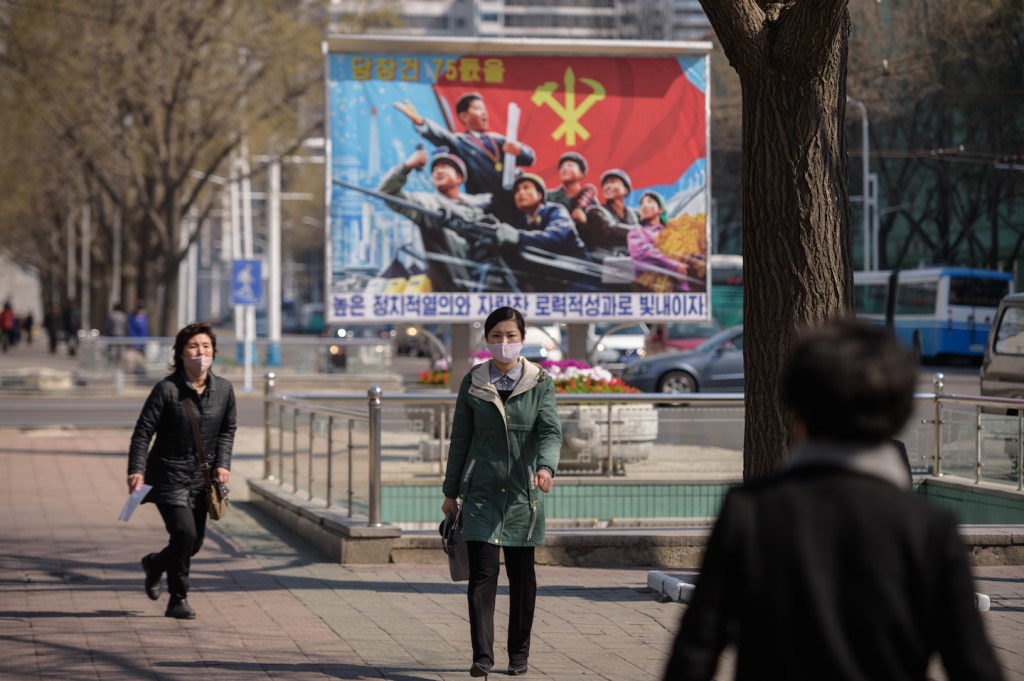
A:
(585, 436)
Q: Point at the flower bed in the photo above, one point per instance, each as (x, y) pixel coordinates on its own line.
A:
(569, 376)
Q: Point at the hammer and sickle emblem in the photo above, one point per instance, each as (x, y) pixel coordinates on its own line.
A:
(570, 112)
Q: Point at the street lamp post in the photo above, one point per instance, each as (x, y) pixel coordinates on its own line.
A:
(865, 177)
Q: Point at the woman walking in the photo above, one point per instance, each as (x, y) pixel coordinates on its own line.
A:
(505, 443)
(171, 465)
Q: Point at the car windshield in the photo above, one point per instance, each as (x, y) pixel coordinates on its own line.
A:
(717, 339)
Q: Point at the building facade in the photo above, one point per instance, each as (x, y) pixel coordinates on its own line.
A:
(562, 19)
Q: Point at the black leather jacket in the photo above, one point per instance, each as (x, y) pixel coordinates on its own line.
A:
(170, 466)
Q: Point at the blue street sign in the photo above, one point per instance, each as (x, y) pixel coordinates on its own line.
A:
(246, 282)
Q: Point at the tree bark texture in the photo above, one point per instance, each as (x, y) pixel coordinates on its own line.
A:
(798, 269)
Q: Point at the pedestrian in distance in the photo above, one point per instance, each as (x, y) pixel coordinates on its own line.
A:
(505, 442)
(171, 465)
(53, 322)
(138, 321)
(833, 569)
(72, 324)
(28, 323)
(6, 326)
(115, 327)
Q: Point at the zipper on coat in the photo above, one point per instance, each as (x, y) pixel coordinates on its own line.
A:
(469, 471)
(533, 518)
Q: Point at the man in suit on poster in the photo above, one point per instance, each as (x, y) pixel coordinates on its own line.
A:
(480, 149)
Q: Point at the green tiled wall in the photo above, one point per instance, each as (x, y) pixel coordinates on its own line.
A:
(598, 500)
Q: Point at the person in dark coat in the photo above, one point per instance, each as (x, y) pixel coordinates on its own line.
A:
(833, 569)
(171, 465)
(53, 322)
(505, 442)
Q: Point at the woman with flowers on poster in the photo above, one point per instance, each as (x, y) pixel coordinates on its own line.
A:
(662, 256)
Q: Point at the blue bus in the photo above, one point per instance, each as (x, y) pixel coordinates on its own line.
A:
(940, 312)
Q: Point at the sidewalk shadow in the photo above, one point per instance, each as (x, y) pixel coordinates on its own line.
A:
(349, 672)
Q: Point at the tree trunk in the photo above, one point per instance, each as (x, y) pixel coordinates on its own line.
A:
(798, 268)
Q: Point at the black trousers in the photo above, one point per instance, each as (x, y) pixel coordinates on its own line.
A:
(186, 528)
(484, 565)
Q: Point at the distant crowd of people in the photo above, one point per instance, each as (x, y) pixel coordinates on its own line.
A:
(63, 323)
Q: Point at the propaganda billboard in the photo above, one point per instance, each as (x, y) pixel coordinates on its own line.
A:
(569, 183)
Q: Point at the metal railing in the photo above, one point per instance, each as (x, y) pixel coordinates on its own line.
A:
(121, 360)
(645, 437)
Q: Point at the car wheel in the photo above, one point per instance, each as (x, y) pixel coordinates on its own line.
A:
(677, 382)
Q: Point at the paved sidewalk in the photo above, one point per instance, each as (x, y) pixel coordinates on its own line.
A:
(72, 604)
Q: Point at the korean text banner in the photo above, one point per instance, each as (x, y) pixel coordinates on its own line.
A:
(573, 187)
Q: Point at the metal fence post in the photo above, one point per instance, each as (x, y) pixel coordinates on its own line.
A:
(977, 444)
(1020, 449)
(312, 420)
(608, 446)
(937, 382)
(330, 458)
(350, 492)
(295, 450)
(374, 393)
(280, 444)
(268, 389)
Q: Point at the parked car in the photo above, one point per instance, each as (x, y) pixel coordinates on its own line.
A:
(671, 336)
(543, 342)
(716, 365)
(1002, 369)
(337, 356)
(614, 342)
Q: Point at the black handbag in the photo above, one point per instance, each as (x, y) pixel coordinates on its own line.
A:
(454, 547)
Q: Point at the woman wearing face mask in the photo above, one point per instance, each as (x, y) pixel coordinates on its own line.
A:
(171, 467)
(505, 442)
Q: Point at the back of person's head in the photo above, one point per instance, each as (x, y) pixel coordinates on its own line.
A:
(850, 381)
(504, 314)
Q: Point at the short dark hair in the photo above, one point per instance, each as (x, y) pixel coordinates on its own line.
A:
(462, 103)
(185, 335)
(504, 314)
(850, 381)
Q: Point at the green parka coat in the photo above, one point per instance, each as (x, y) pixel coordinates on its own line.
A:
(496, 449)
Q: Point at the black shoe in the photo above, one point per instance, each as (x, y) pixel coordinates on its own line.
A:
(517, 668)
(179, 609)
(152, 577)
(480, 669)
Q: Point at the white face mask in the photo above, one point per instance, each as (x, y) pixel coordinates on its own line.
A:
(198, 365)
(504, 352)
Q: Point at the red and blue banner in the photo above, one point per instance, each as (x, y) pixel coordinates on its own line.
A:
(404, 245)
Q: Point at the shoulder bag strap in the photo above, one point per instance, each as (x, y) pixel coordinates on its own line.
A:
(203, 465)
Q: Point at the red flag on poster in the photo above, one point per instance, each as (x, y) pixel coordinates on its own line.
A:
(640, 114)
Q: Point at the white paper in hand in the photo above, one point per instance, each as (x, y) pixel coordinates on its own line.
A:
(134, 499)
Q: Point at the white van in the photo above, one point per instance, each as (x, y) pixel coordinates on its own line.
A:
(1002, 369)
